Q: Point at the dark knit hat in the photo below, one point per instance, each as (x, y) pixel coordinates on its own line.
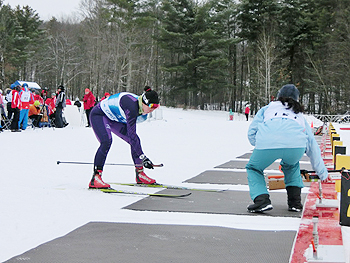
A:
(150, 96)
(61, 87)
(288, 91)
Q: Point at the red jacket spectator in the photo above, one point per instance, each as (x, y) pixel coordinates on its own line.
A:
(105, 96)
(246, 112)
(89, 100)
(1, 100)
(51, 102)
(247, 109)
(26, 98)
(16, 101)
(37, 97)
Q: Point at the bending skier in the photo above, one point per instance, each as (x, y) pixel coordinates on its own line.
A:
(119, 114)
(280, 131)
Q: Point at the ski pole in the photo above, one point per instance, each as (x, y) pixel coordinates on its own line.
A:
(122, 164)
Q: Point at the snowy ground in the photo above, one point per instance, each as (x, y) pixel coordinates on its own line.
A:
(41, 200)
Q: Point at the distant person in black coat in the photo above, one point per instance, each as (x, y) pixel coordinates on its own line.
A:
(60, 105)
(77, 103)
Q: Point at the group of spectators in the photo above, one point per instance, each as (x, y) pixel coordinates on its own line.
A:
(19, 104)
(22, 103)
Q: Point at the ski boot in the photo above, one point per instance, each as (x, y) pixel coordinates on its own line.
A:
(142, 178)
(261, 204)
(96, 181)
(294, 198)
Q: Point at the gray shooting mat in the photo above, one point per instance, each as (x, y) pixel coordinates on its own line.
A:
(225, 202)
(123, 242)
(235, 164)
(247, 156)
(226, 177)
(220, 177)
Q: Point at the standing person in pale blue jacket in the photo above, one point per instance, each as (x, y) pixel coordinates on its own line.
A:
(280, 131)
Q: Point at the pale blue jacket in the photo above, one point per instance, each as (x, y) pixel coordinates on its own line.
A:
(276, 127)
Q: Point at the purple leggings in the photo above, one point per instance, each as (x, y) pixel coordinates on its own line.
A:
(103, 128)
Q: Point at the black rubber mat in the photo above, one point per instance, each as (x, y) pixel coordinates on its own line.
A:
(240, 164)
(220, 177)
(247, 156)
(122, 242)
(226, 177)
(227, 202)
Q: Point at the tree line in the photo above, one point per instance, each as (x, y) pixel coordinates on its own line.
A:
(209, 54)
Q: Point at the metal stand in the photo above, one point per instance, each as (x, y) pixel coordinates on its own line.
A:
(325, 203)
(323, 253)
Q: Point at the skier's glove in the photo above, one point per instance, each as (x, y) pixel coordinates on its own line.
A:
(147, 163)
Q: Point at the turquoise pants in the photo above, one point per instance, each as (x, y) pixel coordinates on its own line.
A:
(23, 118)
(261, 159)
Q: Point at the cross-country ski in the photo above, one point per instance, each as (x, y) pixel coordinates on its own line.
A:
(114, 191)
(117, 164)
(167, 186)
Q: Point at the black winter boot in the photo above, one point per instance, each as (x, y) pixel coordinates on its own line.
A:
(294, 198)
(261, 204)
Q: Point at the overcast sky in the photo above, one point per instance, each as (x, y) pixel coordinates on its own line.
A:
(48, 8)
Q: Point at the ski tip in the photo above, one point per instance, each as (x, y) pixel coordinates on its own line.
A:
(58, 162)
(170, 195)
(184, 195)
(222, 190)
(187, 194)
